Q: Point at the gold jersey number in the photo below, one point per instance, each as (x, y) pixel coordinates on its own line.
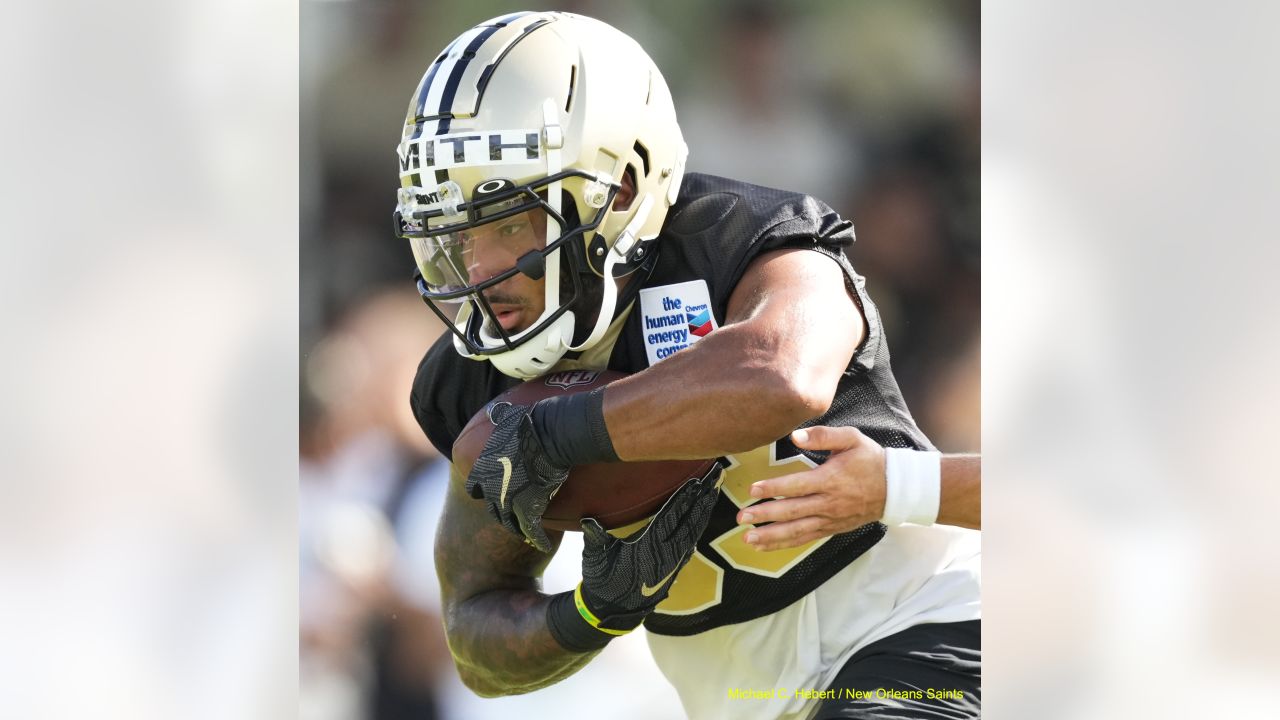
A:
(700, 584)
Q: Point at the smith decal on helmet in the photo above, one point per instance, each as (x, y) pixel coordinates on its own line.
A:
(445, 151)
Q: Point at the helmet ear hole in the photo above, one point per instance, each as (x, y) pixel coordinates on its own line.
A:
(626, 193)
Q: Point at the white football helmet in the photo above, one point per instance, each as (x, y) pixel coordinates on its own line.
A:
(541, 113)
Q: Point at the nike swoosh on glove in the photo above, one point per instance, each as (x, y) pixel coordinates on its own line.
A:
(624, 580)
(514, 476)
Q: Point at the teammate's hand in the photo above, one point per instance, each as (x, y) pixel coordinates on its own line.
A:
(514, 476)
(842, 494)
(624, 580)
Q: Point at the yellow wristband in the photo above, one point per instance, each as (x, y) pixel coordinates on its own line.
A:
(590, 618)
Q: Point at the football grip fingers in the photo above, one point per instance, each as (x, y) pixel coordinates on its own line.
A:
(594, 535)
(533, 531)
(685, 516)
(473, 487)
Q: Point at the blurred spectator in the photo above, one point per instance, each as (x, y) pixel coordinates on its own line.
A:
(926, 286)
(372, 55)
(757, 115)
(906, 74)
(369, 648)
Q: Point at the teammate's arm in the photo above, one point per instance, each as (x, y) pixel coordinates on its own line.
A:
(494, 614)
(848, 491)
(961, 491)
(790, 330)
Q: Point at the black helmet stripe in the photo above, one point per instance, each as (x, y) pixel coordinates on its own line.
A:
(474, 54)
(455, 76)
(425, 87)
(483, 81)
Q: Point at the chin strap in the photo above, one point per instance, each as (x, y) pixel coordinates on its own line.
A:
(617, 254)
(537, 355)
(553, 141)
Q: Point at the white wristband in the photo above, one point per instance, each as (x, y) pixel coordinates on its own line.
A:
(913, 486)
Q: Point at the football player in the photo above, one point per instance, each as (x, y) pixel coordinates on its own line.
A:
(545, 197)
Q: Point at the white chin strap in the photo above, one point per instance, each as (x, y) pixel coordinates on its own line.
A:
(540, 353)
(532, 358)
(618, 253)
(536, 355)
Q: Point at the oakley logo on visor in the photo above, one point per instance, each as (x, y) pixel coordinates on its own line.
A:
(489, 187)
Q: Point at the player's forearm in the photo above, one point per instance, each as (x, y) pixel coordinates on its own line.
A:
(791, 327)
(720, 396)
(961, 501)
(501, 644)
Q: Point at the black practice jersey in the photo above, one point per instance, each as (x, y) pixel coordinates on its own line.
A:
(712, 233)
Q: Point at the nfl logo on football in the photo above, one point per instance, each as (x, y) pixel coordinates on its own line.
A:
(570, 378)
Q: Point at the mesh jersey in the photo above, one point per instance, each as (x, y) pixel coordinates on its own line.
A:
(713, 232)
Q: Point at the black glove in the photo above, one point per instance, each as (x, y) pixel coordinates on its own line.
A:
(514, 476)
(624, 580)
(528, 456)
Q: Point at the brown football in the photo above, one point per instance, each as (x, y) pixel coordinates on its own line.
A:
(616, 494)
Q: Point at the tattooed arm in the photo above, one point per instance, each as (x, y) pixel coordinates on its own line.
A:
(494, 614)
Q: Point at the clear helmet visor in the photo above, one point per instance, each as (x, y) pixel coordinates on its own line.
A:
(499, 256)
(454, 257)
